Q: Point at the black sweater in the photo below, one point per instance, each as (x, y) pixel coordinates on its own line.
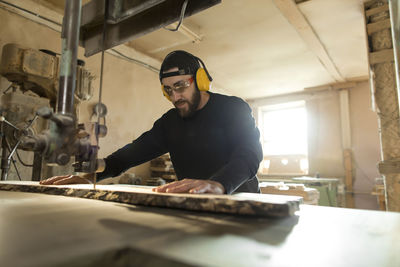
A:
(219, 142)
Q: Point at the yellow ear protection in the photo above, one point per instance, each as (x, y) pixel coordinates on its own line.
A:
(164, 93)
(202, 78)
(200, 74)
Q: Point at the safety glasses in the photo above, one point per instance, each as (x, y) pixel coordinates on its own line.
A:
(179, 87)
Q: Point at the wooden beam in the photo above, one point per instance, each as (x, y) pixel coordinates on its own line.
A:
(370, 3)
(345, 118)
(378, 26)
(333, 86)
(389, 166)
(279, 99)
(130, 54)
(192, 32)
(309, 92)
(346, 144)
(377, 10)
(301, 1)
(359, 79)
(292, 13)
(386, 99)
(348, 164)
(386, 55)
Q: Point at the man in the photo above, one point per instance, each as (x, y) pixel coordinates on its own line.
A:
(212, 138)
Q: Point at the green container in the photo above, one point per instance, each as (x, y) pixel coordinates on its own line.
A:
(327, 188)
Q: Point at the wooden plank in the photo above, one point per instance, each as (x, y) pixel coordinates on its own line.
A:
(370, 3)
(240, 204)
(301, 1)
(332, 86)
(382, 56)
(191, 31)
(292, 13)
(377, 10)
(163, 169)
(346, 85)
(378, 26)
(310, 195)
(389, 166)
(345, 118)
(348, 165)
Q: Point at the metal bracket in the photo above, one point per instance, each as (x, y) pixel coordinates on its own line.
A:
(131, 19)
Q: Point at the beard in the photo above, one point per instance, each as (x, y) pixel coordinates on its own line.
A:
(192, 104)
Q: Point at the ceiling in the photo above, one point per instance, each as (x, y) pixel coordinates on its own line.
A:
(254, 48)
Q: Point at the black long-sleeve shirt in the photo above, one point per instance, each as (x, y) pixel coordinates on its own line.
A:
(219, 142)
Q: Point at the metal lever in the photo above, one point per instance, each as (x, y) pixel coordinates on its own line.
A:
(14, 149)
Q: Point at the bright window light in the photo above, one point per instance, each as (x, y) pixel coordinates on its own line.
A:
(285, 131)
(284, 137)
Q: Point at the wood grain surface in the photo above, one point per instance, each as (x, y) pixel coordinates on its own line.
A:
(241, 203)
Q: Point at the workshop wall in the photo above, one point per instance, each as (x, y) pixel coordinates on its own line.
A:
(365, 144)
(324, 136)
(325, 152)
(325, 147)
(131, 92)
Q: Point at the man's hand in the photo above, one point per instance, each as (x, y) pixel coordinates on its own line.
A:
(192, 186)
(68, 179)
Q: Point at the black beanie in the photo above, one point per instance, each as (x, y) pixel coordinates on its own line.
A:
(187, 64)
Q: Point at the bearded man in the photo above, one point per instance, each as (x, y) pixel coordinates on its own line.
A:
(212, 138)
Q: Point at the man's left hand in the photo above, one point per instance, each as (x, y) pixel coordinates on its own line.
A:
(192, 186)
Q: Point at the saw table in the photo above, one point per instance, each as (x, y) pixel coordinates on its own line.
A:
(48, 230)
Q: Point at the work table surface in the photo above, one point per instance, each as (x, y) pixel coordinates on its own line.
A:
(47, 230)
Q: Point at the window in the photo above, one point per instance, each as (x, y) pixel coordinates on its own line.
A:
(284, 138)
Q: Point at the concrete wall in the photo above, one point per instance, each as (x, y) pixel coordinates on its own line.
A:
(132, 93)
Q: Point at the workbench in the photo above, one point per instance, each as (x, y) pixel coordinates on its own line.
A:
(47, 230)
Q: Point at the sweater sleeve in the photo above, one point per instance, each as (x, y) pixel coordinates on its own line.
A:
(247, 153)
(148, 146)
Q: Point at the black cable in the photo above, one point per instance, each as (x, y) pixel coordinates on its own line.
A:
(180, 18)
(8, 88)
(143, 64)
(20, 160)
(103, 41)
(30, 12)
(137, 61)
(12, 159)
(16, 169)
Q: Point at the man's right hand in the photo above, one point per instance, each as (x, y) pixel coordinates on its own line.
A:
(68, 179)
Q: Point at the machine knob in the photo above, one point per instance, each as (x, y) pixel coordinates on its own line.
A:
(45, 112)
(62, 159)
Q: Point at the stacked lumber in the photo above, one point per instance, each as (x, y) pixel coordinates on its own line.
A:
(309, 195)
(162, 167)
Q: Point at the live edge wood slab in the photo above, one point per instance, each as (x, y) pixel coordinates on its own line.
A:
(241, 203)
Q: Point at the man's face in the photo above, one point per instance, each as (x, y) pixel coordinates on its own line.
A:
(187, 98)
